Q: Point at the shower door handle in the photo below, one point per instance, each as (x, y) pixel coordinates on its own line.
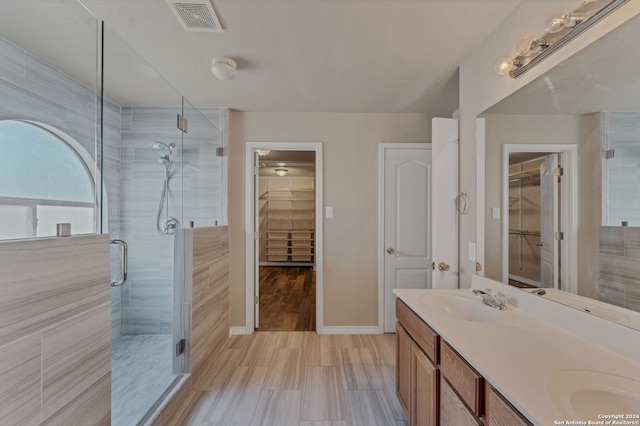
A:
(125, 257)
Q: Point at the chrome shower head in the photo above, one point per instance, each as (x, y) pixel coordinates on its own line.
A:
(163, 149)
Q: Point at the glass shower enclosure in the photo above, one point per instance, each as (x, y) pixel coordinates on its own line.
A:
(154, 165)
(163, 170)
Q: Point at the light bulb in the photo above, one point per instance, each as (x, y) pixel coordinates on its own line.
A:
(504, 65)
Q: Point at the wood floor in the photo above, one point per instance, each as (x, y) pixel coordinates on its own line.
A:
(287, 298)
(301, 379)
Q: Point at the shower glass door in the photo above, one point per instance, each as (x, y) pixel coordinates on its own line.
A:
(204, 167)
(142, 169)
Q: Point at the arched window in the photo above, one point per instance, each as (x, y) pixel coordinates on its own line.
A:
(43, 181)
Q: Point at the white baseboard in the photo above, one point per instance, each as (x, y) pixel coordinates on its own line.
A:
(351, 330)
(239, 330)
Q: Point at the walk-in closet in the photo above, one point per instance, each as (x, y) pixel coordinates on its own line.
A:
(286, 201)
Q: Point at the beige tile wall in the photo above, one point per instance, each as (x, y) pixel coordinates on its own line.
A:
(619, 281)
(210, 305)
(55, 338)
(208, 302)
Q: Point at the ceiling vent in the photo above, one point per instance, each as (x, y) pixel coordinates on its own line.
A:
(196, 15)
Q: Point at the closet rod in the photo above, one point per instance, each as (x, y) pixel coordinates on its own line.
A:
(522, 172)
(524, 232)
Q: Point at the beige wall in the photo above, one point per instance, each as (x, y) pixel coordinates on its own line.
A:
(481, 87)
(350, 160)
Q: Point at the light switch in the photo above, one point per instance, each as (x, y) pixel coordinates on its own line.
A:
(328, 212)
(472, 252)
(495, 213)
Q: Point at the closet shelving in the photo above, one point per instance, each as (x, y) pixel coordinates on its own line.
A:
(290, 223)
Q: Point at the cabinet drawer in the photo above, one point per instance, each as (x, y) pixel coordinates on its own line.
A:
(452, 409)
(499, 412)
(423, 335)
(464, 379)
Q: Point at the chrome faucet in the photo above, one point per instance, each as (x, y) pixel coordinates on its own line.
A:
(498, 300)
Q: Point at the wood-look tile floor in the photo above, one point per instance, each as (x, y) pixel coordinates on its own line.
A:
(287, 298)
(301, 379)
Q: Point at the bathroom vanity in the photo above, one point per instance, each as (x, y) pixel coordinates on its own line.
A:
(436, 385)
(461, 362)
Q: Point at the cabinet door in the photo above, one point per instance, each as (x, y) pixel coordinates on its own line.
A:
(452, 410)
(424, 386)
(500, 413)
(403, 367)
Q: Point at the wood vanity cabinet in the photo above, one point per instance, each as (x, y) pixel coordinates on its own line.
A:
(461, 389)
(499, 412)
(417, 376)
(437, 386)
(403, 367)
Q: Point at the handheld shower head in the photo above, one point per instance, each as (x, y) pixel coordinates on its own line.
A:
(163, 149)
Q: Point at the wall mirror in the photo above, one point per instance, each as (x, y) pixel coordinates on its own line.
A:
(562, 158)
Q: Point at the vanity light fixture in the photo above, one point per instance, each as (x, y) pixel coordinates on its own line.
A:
(281, 172)
(560, 31)
(223, 68)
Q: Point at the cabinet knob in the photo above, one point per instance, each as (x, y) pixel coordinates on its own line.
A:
(443, 267)
(390, 250)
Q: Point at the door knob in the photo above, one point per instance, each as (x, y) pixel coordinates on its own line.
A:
(390, 250)
(443, 267)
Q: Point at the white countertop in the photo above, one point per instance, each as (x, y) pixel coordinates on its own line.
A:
(519, 353)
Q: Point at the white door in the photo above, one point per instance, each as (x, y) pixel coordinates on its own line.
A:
(444, 240)
(549, 222)
(407, 222)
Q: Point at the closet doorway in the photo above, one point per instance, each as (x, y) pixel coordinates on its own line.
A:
(538, 224)
(286, 255)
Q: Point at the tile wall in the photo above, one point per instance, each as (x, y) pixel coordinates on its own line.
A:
(195, 195)
(33, 90)
(621, 173)
(619, 248)
(55, 339)
(205, 304)
(133, 178)
(619, 281)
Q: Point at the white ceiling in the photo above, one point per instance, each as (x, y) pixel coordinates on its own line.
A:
(292, 55)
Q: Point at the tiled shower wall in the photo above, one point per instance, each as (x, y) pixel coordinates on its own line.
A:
(33, 90)
(195, 195)
(619, 248)
(619, 281)
(621, 174)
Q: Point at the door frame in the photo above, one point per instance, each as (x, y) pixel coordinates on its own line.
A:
(382, 147)
(251, 257)
(568, 208)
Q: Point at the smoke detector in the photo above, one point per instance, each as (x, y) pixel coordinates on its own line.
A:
(196, 15)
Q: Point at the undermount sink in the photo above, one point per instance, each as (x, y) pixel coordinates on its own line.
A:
(462, 306)
(585, 394)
